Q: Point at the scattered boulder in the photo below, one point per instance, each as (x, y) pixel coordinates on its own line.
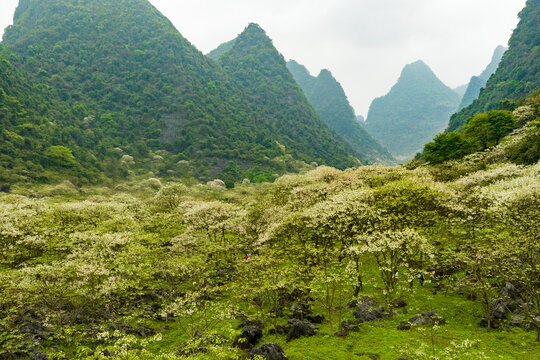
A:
(277, 312)
(533, 324)
(297, 328)
(34, 331)
(399, 303)
(349, 325)
(509, 292)
(371, 356)
(508, 302)
(300, 311)
(5, 188)
(428, 318)
(39, 356)
(271, 351)
(352, 304)
(342, 333)
(368, 310)
(250, 336)
(517, 321)
(315, 319)
(13, 354)
(140, 330)
(404, 326)
(251, 322)
(278, 330)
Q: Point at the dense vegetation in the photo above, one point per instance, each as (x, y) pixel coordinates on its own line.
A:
(329, 100)
(254, 62)
(518, 73)
(485, 131)
(167, 271)
(412, 113)
(477, 83)
(126, 92)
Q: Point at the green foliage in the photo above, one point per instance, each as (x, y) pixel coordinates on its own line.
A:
(279, 105)
(126, 83)
(60, 155)
(483, 131)
(124, 261)
(446, 146)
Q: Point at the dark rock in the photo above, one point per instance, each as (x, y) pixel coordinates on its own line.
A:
(371, 356)
(13, 354)
(39, 356)
(399, 303)
(249, 337)
(280, 330)
(251, 322)
(368, 310)
(300, 311)
(495, 323)
(140, 330)
(349, 325)
(404, 326)
(277, 312)
(352, 304)
(342, 333)
(315, 319)
(517, 321)
(5, 188)
(34, 331)
(509, 291)
(533, 324)
(297, 328)
(156, 307)
(431, 318)
(271, 351)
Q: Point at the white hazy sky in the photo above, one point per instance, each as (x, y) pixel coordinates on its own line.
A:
(365, 43)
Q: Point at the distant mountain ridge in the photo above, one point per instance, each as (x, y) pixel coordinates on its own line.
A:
(518, 73)
(330, 101)
(412, 113)
(477, 83)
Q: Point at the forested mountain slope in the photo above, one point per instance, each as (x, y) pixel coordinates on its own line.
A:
(412, 113)
(330, 101)
(518, 73)
(140, 96)
(261, 72)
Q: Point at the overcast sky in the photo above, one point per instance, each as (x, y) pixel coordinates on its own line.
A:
(365, 43)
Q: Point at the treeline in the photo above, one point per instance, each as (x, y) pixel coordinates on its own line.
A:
(486, 130)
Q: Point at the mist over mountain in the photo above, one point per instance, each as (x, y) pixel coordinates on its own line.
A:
(329, 100)
(412, 113)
